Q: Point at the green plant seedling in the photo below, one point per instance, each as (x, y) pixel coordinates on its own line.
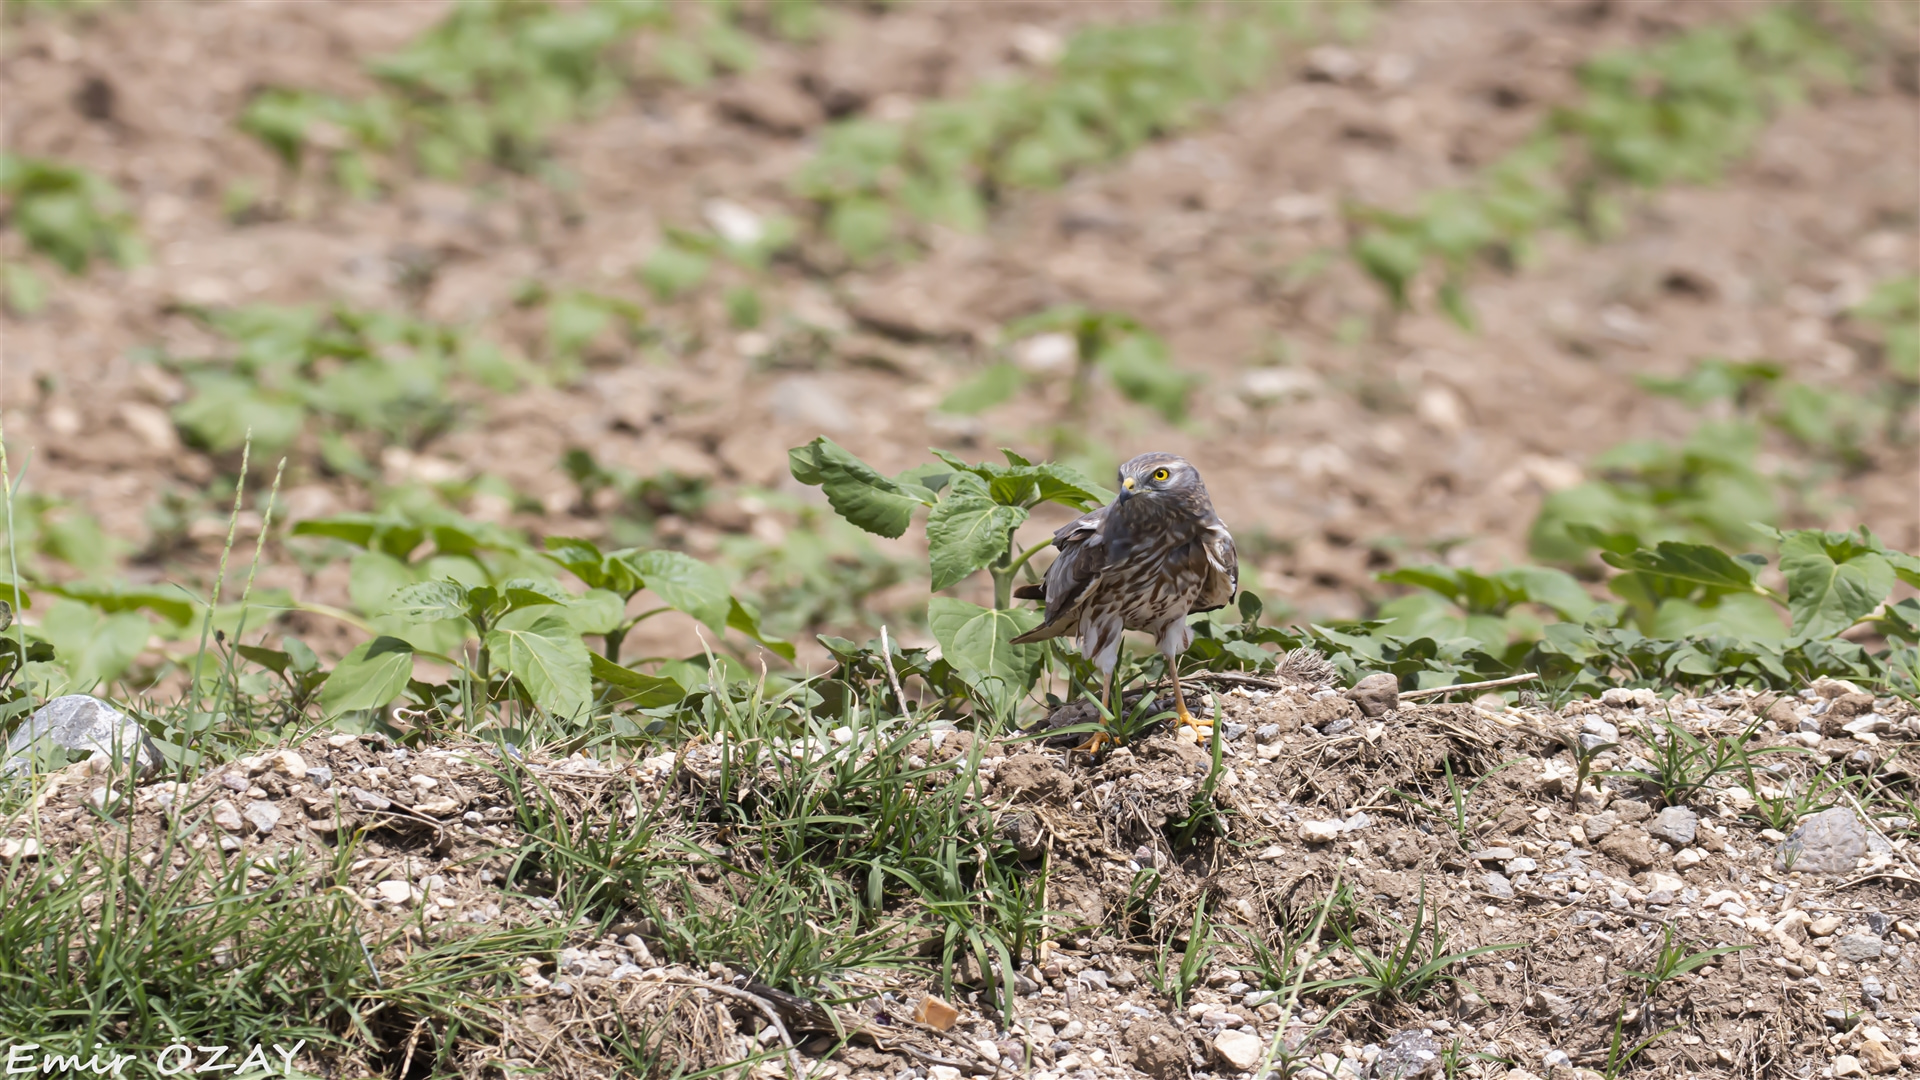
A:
(1416, 964)
(1456, 813)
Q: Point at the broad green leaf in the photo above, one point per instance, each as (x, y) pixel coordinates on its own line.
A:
(1833, 580)
(596, 612)
(637, 689)
(744, 619)
(992, 386)
(171, 604)
(272, 659)
(1551, 588)
(1068, 486)
(429, 601)
(299, 657)
(369, 677)
(1696, 564)
(91, 646)
(528, 592)
(686, 584)
(856, 490)
(966, 533)
(546, 655)
(581, 558)
(374, 578)
(978, 642)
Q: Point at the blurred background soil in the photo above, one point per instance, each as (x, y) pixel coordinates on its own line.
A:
(1339, 439)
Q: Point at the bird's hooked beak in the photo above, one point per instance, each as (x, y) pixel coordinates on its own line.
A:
(1126, 490)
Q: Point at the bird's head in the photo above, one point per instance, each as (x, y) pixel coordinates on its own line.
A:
(1156, 477)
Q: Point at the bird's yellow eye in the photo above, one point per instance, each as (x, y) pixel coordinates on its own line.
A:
(1161, 475)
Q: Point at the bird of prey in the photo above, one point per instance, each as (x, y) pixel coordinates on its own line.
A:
(1145, 561)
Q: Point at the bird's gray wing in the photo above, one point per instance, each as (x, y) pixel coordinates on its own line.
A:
(1223, 568)
(1073, 576)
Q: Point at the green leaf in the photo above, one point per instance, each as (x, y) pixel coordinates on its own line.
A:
(637, 689)
(168, 603)
(857, 491)
(548, 658)
(93, 647)
(596, 612)
(992, 386)
(369, 677)
(1833, 580)
(686, 584)
(374, 578)
(429, 601)
(528, 592)
(581, 558)
(1695, 564)
(674, 269)
(744, 619)
(978, 642)
(272, 659)
(1068, 486)
(966, 533)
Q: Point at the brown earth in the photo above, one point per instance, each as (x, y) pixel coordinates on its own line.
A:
(1331, 460)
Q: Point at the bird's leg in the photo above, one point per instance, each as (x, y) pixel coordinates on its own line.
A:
(1200, 727)
(1099, 738)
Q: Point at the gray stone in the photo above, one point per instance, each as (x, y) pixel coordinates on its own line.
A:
(1858, 947)
(1809, 724)
(1677, 825)
(1267, 733)
(1499, 886)
(1879, 922)
(1233, 731)
(1871, 991)
(1590, 743)
(262, 815)
(1494, 854)
(1377, 694)
(1866, 723)
(84, 723)
(1598, 826)
(1022, 829)
(1829, 842)
(368, 800)
(1095, 978)
(1408, 1055)
(1337, 726)
(1522, 865)
(233, 781)
(227, 817)
(1596, 726)
(320, 778)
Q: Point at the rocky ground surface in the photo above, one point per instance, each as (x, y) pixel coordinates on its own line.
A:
(1822, 921)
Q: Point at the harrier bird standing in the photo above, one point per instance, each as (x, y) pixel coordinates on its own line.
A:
(1145, 561)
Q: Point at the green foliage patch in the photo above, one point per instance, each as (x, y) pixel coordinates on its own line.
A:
(356, 380)
(1114, 88)
(69, 215)
(1677, 112)
(488, 84)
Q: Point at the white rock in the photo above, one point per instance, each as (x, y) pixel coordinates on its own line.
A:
(394, 892)
(1319, 832)
(1659, 882)
(287, 763)
(12, 849)
(1686, 858)
(1239, 1049)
